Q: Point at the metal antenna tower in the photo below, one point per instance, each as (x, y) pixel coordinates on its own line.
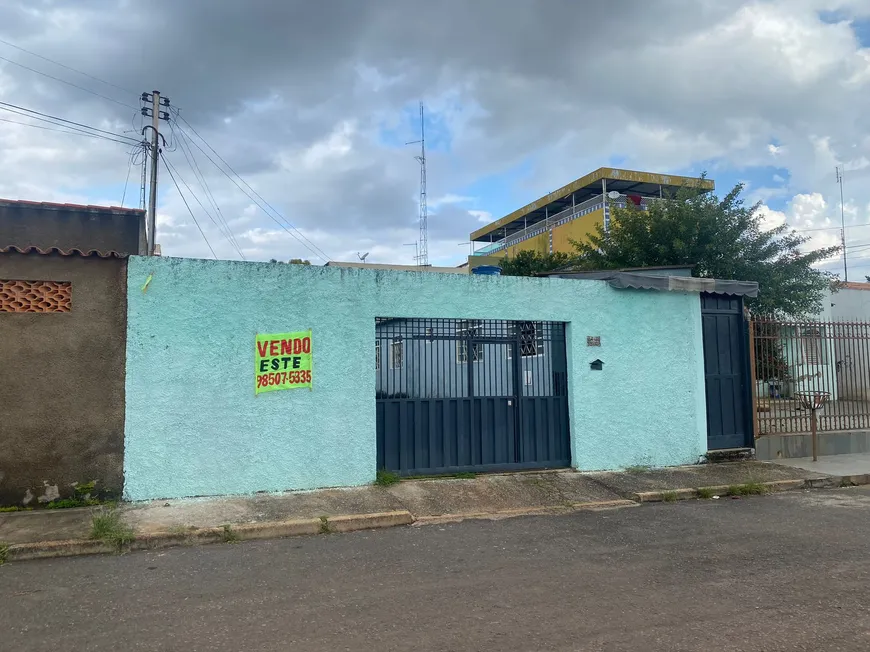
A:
(423, 253)
(843, 225)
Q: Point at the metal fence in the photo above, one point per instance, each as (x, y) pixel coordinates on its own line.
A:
(789, 358)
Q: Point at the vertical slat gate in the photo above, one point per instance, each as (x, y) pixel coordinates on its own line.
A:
(470, 395)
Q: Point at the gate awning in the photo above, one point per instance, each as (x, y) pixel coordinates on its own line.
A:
(667, 283)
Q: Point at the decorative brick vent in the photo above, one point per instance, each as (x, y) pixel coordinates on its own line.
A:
(35, 296)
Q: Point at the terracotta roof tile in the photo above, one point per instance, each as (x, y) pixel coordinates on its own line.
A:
(54, 206)
(58, 250)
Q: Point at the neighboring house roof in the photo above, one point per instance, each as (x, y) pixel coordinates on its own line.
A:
(90, 208)
(61, 252)
(398, 268)
(668, 283)
(850, 285)
(48, 226)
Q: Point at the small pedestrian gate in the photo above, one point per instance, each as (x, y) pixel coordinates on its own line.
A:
(726, 372)
(470, 395)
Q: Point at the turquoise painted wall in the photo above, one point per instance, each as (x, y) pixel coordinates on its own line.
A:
(195, 427)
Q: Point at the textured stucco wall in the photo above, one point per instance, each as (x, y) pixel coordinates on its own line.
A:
(195, 427)
(62, 380)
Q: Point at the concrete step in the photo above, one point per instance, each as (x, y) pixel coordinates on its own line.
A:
(730, 455)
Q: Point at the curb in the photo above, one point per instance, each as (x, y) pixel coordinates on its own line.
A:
(594, 506)
(723, 490)
(227, 534)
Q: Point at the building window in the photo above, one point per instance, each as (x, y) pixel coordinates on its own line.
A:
(811, 345)
(377, 355)
(531, 337)
(464, 330)
(397, 354)
(35, 296)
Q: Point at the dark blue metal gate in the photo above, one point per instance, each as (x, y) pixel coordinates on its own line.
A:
(726, 371)
(470, 395)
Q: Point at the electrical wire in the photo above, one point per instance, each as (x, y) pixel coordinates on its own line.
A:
(201, 232)
(51, 119)
(62, 65)
(60, 131)
(129, 169)
(313, 248)
(831, 228)
(200, 177)
(68, 83)
(205, 210)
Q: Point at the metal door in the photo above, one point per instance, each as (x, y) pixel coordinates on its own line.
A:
(470, 395)
(726, 371)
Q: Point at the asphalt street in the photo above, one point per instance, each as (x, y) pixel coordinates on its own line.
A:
(784, 572)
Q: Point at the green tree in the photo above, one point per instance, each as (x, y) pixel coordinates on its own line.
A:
(717, 238)
(529, 263)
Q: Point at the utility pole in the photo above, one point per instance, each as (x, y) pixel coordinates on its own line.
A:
(156, 116)
(843, 225)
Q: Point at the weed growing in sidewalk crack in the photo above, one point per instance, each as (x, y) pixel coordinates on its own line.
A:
(15, 508)
(748, 489)
(386, 478)
(669, 496)
(324, 525)
(228, 535)
(4, 553)
(705, 493)
(108, 525)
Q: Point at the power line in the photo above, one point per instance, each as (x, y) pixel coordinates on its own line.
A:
(68, 83)
(298, 235)
(201, 232)
(60, 131)
(190, 157)
(62, 65)
(129, 169)
(830, 228)
(205, 210)
(46, 117)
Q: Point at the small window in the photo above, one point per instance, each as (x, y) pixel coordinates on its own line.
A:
(464, 330)
(397, 354)
(35, 296)
(377, 355)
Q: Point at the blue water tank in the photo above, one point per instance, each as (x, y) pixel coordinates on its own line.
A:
(487, 270)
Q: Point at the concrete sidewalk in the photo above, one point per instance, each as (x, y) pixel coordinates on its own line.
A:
(191, 520)
(846, 465)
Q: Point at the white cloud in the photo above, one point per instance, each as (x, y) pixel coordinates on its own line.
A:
(748, 83)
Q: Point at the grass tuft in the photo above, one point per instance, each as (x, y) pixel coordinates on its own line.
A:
(15, 508)
(324, 525)
(4, 553)
(669, 496)
(228, 535)
(108, 525)
(705, 493)
(386, 478)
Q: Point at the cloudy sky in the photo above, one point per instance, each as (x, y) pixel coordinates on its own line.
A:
(311, 103)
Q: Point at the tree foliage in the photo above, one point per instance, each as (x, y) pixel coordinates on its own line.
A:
(717, 238)
(529, 263)
(292, 261)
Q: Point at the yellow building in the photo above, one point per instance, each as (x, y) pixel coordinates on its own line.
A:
(572, 212)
